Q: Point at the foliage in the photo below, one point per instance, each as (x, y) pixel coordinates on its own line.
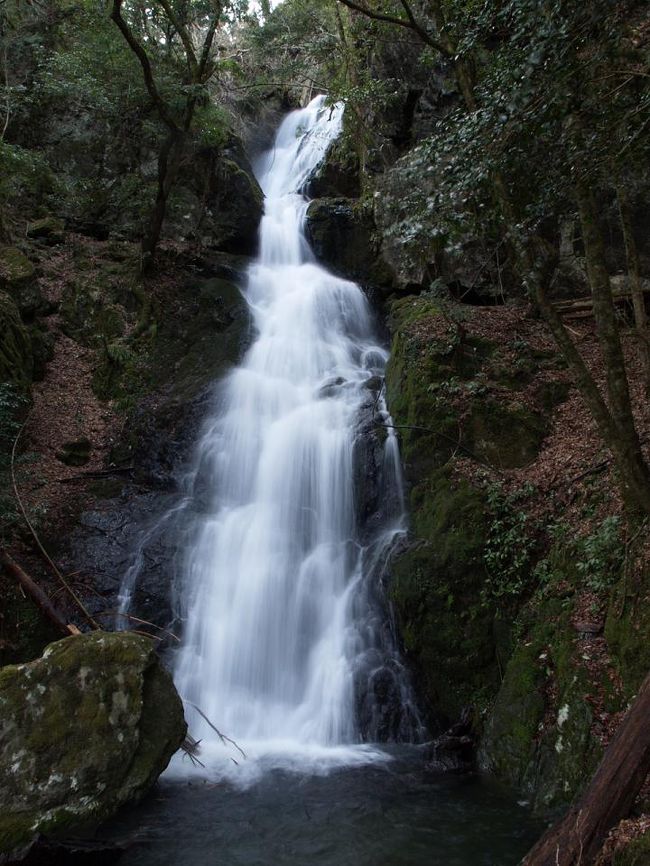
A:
(509, 546)
(595, 559)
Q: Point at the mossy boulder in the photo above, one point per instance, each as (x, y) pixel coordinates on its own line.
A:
(49, 229)
(16, 360)
(538, 736)
(84, 729)
(18, 279)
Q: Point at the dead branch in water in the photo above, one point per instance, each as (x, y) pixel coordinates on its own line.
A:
(224, 739)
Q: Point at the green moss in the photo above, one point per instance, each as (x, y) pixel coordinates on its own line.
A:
(436, 589)
(539, 732)
(75, 453)
(24, 631)
(48, 227)
(504, 436)
(627, 629)
(18, 279)
(15, 268)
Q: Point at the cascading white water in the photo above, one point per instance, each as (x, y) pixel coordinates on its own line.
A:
(274, 633)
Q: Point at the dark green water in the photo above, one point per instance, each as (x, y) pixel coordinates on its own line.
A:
(377, 815)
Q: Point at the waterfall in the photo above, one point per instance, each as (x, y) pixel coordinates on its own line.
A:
(285, 639)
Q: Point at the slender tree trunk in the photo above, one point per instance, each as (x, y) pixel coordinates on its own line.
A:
(537, 265)
(577, 838)
(634, 277)
(635, 475)
(169, 161)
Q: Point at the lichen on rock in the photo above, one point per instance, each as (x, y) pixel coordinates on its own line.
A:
(84, 729)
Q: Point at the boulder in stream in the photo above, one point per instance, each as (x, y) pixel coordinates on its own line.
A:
(85, 729)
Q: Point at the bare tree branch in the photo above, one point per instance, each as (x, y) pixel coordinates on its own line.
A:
(410, 22)
(141, 54)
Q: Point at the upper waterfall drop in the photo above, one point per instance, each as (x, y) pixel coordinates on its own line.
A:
(280, 622)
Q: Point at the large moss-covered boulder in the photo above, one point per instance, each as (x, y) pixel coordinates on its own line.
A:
(84, 729)
(18, 279)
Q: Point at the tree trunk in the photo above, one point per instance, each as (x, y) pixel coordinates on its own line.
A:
(37, 595)
(169, 162)
(578, 837)
(635, 475)
(634, 277)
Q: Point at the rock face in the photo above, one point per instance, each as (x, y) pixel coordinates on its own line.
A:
(84, 729)
(218, 201)
(341, 234)
(445, 391)
(16, 362)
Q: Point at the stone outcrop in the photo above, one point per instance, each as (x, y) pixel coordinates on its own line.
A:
(18, 279)
(341, 233)
(84, 729)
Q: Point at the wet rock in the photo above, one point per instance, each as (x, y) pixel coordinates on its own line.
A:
(141, 527)
(84, 729)
(338, 174)
(218, 201)
(341, 234)
(455, 750)
(330, 389)
(375, 383)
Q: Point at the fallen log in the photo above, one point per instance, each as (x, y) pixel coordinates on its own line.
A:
(585, 304)
(37, 595)
(578, 837)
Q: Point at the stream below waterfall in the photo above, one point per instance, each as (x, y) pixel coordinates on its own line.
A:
(288, 644)
(389, 814)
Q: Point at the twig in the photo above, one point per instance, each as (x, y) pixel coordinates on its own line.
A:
(142, 622)
(224, 739)
(444, 436)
